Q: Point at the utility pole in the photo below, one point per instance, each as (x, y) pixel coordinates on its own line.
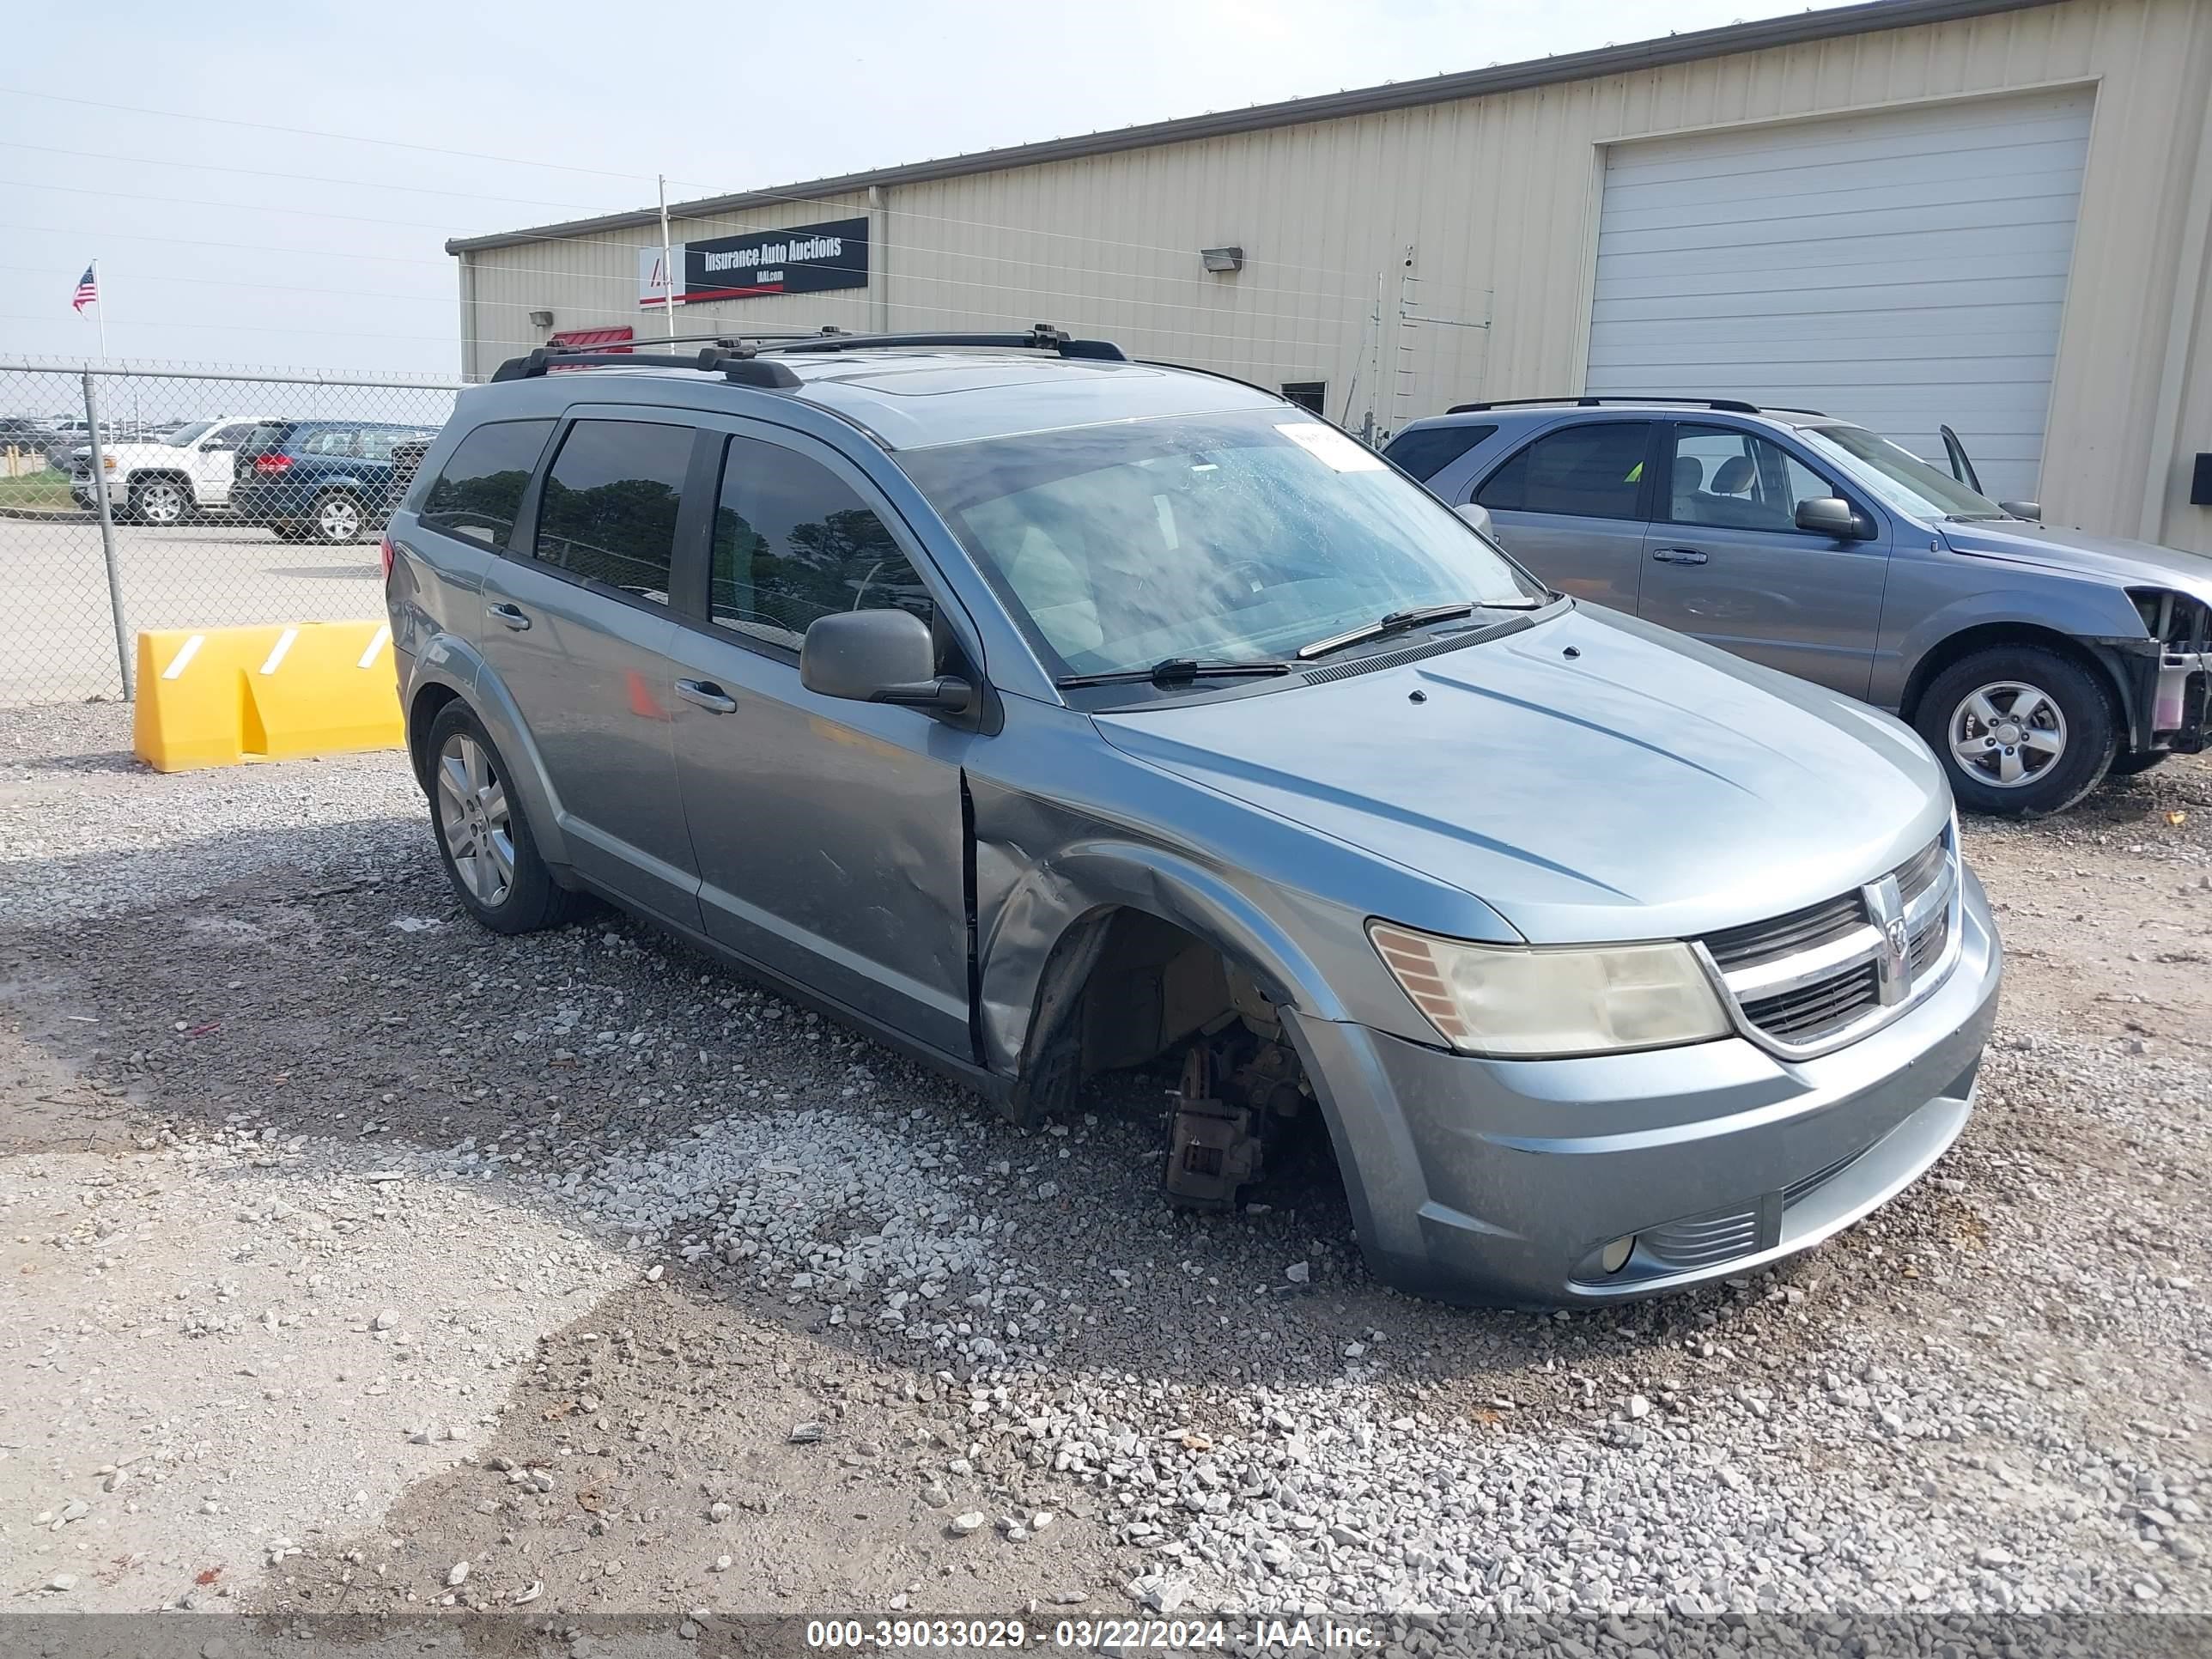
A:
(667, 266)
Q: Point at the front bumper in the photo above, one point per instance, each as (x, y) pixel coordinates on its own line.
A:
(1502, 1181)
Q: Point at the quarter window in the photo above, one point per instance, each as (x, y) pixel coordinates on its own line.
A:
(1731, 479)
(480, 489)
(1593, 470)
(609, 512)
(792, 542)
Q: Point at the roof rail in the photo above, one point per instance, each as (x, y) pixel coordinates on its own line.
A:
(1732, 405)
(735, 362)
(1043, 338)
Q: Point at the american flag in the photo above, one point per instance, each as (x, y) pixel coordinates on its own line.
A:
(87, 289)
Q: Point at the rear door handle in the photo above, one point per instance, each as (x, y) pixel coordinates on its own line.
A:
(1678, 555)
(510, 616)
(707, 695)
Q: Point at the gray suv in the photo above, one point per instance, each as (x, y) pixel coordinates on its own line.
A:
(2034, 660)
(1043, 713)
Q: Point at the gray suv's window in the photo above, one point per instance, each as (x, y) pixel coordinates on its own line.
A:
(1593, 470)
(479, 490)
(792, 542)
(1731, 479)
(609, 512)
(1424, 453)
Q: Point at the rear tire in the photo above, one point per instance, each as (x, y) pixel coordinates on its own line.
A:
(2021, 731)
(337, 518)
(491, 859)
(2129, 766)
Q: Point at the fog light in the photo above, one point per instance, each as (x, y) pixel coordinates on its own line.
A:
(1614, 1256)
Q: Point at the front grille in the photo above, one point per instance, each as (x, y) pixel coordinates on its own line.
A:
(1801, 930)
(1815, 1011)
(1816, 976)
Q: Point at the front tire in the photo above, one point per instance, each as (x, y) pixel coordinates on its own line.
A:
(2021, 730)
(491, 859)
(160, 502)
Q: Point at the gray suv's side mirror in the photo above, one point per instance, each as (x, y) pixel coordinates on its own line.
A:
(2032, 511)
(1476, 514)
(1831, 515)
(878, 656)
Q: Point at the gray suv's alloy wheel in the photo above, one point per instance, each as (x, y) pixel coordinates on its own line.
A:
(159, 502)
(2021, 730)
(483, 837)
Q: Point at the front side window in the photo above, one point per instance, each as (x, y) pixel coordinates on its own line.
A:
(1591, 471)
(609, 511)
(186, 436)
(1736, 480)
(794, 541)
(1424, 453)
(479, 490)
(1897, 477)
(1231, 537)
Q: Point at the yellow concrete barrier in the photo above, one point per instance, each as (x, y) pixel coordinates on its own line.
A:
(215, 696)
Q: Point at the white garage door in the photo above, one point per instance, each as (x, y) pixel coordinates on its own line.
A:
(1904, 269)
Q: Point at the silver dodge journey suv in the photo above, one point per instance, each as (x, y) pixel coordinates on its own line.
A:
(1043, 713)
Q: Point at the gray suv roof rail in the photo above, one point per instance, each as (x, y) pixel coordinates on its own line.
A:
(1732, 405)
(1043, 338)
(735, 362)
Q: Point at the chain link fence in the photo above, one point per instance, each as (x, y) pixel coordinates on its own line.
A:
(231, 496)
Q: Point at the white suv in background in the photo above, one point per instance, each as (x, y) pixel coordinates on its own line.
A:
(167, 481)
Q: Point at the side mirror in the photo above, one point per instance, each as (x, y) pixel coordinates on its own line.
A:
(879, 656)
(2032, 511)
(1831, 515)
(1477, 515)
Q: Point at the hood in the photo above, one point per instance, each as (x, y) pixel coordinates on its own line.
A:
(1591, 778)
(2138, 563)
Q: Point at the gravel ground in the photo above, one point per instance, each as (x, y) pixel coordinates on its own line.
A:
(345, 1245)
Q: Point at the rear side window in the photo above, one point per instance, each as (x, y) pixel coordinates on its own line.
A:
(333, 440)
(609, 512)
(1594, 470)
(792, 542)
(480, 490)
(1424, 453)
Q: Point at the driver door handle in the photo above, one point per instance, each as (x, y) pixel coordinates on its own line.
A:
(510, 616)
(707, 695)
(1678, 555)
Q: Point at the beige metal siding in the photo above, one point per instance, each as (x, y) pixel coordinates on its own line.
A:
(1497, 196)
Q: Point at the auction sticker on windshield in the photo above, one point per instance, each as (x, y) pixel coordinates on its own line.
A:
(1332, 446)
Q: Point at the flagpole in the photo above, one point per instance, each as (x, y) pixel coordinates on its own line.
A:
(99, 310)
(667, 271)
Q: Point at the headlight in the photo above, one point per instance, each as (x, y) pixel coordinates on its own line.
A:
(1516, 1001)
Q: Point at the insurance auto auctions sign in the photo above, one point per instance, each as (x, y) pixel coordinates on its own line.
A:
(803, 259)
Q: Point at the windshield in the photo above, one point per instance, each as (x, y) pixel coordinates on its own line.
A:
(1219, 538)
(183, 436)
(1901, 479)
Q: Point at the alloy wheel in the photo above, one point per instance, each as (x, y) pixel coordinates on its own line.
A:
(472, 816)
(337, 518)
(2008, 734)
(160, 502)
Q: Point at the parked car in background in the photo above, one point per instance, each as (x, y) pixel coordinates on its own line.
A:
(2034, 660)
(325, 481)
(165, 480)
(1082, 715)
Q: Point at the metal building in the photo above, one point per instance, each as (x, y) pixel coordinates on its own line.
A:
(1981, 213)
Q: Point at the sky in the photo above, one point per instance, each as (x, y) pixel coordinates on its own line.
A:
(273, 186)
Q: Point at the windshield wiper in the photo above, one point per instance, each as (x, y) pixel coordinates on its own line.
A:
(1397, 622)
(1178, 671)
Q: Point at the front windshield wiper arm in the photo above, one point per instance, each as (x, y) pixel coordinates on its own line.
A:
(1177, 671)
(1397, 622)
